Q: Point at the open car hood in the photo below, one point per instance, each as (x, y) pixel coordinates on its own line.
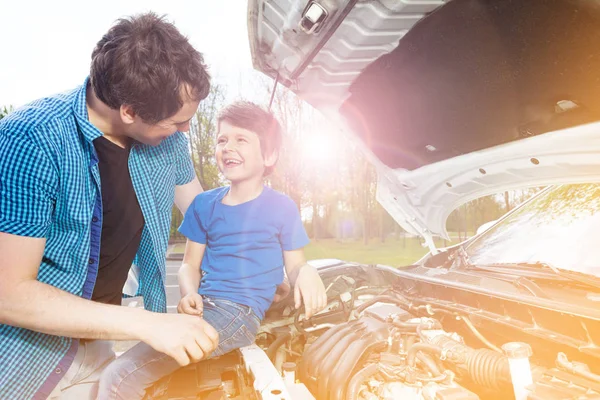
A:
(450, 100)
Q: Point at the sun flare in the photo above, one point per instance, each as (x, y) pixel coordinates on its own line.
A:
(318, 148)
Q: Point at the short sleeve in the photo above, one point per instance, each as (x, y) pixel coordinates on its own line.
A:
(192, 227)
(184, 167)
(293, 235)
(28, 183)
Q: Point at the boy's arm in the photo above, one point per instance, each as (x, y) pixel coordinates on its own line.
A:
(189, 273)
(185, 194)
(308, 286)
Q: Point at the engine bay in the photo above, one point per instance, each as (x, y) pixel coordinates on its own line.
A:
(374, 341)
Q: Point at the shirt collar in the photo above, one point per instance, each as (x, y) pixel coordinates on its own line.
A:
(89, 131)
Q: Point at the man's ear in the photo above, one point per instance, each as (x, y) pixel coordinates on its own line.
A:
(271, 158)
(127, 114)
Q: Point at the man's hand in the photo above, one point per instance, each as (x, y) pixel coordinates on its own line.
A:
(186, 338)
(309, 289)
(191, 304)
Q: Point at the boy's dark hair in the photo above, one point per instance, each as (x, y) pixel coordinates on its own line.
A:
(250, 116)
(143, 61)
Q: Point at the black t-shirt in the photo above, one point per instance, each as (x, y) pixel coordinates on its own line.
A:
(122, 222)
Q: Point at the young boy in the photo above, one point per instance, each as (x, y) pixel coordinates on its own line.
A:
(240, 237)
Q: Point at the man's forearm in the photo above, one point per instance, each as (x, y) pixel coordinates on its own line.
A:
(40, 307)
(189, 279)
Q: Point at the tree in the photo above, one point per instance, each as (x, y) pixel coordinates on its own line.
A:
(202, 134)
(4, 111)
(289, 173)
(203, 130)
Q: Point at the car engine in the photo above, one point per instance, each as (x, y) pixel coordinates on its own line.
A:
(375, 342)
(395, 356)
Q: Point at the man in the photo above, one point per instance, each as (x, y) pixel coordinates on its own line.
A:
(87, 183)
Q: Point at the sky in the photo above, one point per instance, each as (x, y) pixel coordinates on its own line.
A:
(45, 46)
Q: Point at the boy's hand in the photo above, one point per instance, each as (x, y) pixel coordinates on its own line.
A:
(191, 304)
(310, 289)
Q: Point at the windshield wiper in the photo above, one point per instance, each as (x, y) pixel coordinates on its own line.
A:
(541, 270)
(581, 277)
(460, 259)
(520, 281)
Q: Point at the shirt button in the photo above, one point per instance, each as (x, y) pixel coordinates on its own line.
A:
(58, 371)
(95, 219)
(91, 261)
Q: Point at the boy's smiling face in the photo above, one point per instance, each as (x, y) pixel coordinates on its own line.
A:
(239, 155)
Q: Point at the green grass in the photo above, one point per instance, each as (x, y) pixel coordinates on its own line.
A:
(393, 252)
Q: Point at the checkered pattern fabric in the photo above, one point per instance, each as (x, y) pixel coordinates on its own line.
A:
(50, 187)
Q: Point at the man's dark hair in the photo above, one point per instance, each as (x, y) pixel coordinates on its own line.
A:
(143, 61)
(252, 117)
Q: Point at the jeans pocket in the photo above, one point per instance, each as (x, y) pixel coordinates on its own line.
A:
(96, 355)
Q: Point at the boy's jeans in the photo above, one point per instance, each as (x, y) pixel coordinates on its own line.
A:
(138, 368)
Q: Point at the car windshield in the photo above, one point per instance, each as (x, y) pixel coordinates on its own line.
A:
(560, 227)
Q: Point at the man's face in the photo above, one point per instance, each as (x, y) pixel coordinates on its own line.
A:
(154, 134)
(238, 153)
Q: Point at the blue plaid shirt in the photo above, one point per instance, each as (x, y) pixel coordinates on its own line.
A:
(50, 187)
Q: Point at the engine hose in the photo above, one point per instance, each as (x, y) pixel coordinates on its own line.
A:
(358, 379)
(348, 314)
(427, 325)
(429, 363)
(478, 334)
(382, 299)
(277, 343)
(410, 342)
(484, 366)
(437, 378)
(425, 347)
(406, 325)
(488, 368)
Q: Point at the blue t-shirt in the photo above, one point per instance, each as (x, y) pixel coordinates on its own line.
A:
(243, 260)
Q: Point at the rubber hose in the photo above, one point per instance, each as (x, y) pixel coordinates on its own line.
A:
(426, 347)
(272, 350)
(488, 368)
(429, 363)
(388, 299)
(406, 325)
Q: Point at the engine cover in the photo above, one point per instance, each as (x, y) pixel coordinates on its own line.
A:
(330, 360)
(365, 359)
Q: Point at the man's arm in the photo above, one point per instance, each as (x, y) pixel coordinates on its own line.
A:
(308, 286)
(28, 303)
